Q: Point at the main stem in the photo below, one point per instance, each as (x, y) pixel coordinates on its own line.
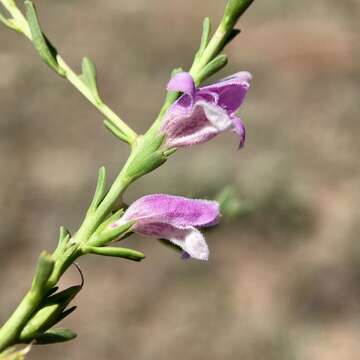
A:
(11, 330)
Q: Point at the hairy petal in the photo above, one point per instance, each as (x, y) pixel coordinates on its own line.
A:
(174, 210)
(189, 126)
(231, 91)
(182, 82)
(239, 128)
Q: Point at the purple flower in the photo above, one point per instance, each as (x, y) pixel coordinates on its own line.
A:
(202, 113)
(174, 218)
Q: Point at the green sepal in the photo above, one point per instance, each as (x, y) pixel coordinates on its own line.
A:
(148, 158)
(110, 234)
(111, 219)
(125, 253)
(167, 153)
(44, 270)
(213, 67)
(63, 297)
(146, 164)
(43, 46)
(115, 130)
(100, 190)
(50, 312)
(205, 37)
(89, 78)
(54, 336)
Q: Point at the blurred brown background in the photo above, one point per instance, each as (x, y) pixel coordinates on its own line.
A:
(283, 281)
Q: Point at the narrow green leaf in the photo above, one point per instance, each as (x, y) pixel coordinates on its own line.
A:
(65, 314)
(89, 78)
(115, 131)
(53, 290)
(213, 67)
(169, 152)
(114, 217)
(43, 46)
(110, 234)
(63, 297)
(205, 37)
(64, 237)
(100, 190)
(44, 269)
(125, 253)
(55, 336)
(50, 312)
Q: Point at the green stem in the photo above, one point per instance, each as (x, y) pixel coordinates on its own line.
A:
(12, 328)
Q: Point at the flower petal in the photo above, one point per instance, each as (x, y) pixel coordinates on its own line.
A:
(188, 239)
(190, 126)
(182, 82)
(193, 243)
(231, 91)
(239, 128)
(173, 210)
